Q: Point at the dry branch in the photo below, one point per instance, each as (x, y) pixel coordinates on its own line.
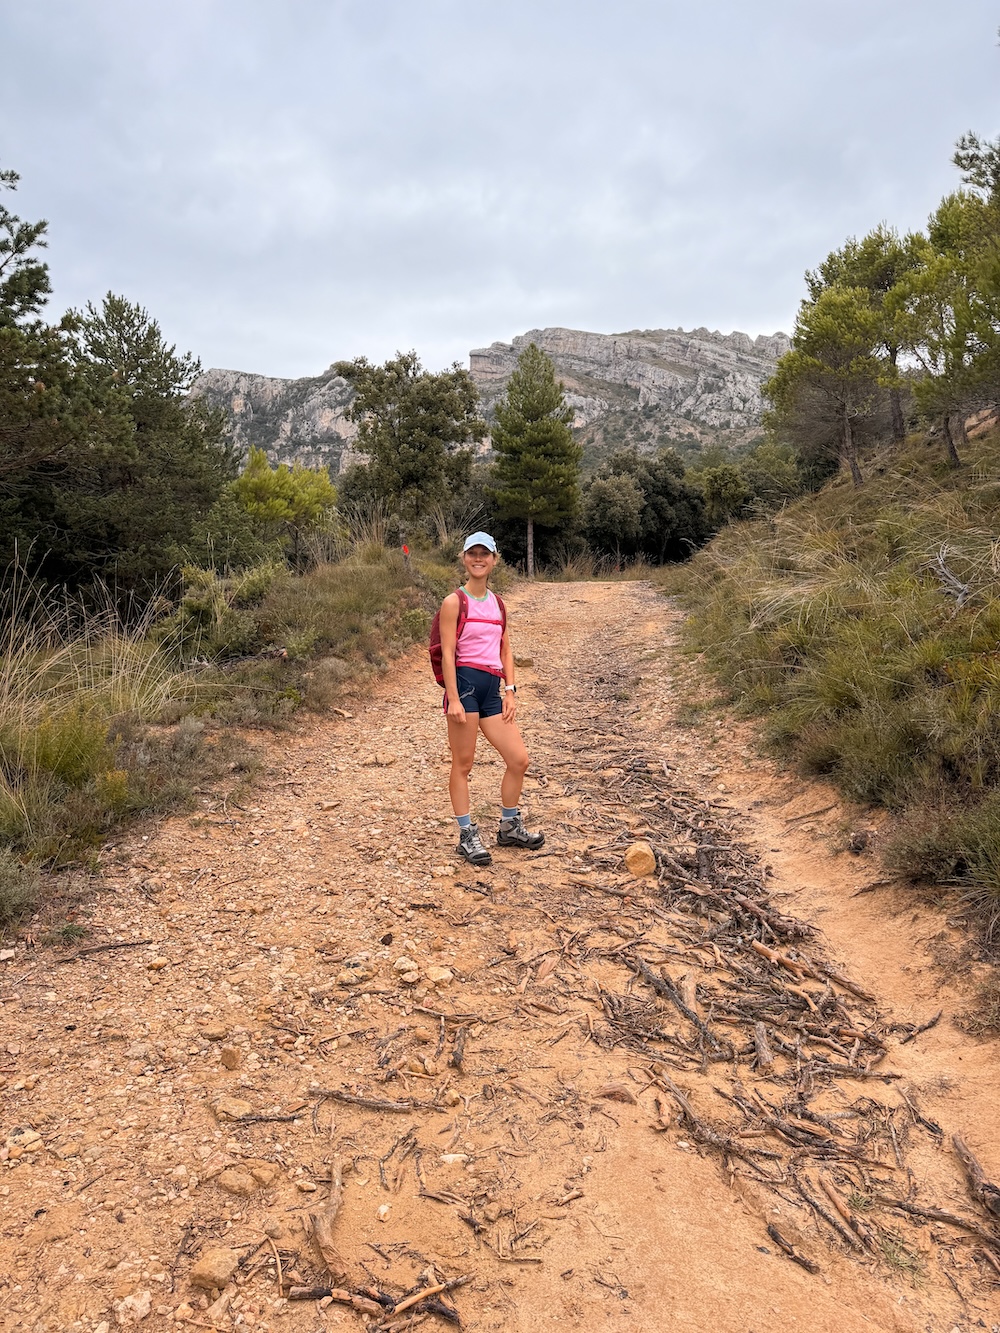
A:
(982, 1190)
(322, 1226)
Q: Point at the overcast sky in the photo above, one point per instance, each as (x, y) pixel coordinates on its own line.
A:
(283, 184)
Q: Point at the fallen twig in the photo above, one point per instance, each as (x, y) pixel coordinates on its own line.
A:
(103, 948)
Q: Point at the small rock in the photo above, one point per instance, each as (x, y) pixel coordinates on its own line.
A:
(640, 859)
(440, 976)
(214, 1268)
(231, 1108)
(452, 1098)
(347, 978)
(264, 1173)
(617, 1092)
(131, 1310)
(28, 1140)
(383, 1212)
(218, 1309)
(235, 1181)
(306, 1186)
(524, 661)
(404, 964)
(7, 955)
(231, 1057)
(157, 965)
(274, 1229)
(424, 1034)
(411, 978)
(105, 1327)
(215, 1031)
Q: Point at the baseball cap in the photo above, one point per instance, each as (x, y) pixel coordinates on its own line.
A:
(480, 539)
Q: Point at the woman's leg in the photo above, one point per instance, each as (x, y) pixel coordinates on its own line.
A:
(462, 739)
(506, 740)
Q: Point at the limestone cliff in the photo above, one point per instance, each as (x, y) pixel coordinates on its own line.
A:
(683, 385)
(300, 420)
(647, 387)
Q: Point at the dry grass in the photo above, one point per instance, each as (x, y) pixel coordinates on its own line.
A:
(836, 621)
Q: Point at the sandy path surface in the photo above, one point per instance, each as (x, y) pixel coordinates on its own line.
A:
(590, 1147)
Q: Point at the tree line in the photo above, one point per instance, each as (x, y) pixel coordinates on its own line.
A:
(898, 331)
(111, 475)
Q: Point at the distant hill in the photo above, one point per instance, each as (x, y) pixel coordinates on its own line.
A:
(646, 387)
(301, 420)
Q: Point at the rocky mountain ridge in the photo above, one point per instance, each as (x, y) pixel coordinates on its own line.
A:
(710, 379)
(646, 387)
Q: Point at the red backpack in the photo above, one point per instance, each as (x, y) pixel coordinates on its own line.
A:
(463, 615)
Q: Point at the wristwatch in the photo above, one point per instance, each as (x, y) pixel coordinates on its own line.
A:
(510, 689)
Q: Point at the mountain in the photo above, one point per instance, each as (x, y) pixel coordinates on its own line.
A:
(648, 387)
(294, 421)
(645, 388)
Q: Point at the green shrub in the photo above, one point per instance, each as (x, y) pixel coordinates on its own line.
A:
(829, 618)
(18, 888)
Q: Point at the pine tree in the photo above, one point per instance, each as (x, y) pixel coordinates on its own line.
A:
(536, 476)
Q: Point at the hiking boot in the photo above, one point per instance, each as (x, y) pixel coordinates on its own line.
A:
(470, 846)
(512, 833)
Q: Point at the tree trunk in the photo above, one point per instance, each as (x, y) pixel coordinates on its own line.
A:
(851, 451)
(896, 406)
(896, 410)
(949, 442)
(531, 548)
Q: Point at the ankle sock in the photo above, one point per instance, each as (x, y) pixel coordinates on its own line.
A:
(506, 813)
(464, 821)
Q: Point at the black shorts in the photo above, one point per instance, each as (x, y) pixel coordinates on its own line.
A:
(480, 691)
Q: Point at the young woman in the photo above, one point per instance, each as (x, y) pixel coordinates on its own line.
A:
(480, 695)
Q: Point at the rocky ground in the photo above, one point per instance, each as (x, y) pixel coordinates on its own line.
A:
(302, 1047)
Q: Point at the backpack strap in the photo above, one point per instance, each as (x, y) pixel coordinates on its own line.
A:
(503, 612)
(463, 612)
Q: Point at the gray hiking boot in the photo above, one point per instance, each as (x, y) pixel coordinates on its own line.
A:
(512, 833)
(470, 846)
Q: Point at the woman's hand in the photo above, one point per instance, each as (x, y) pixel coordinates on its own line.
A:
(509, 705)
(456, 713)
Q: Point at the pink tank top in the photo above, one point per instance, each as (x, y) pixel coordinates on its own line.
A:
(479, 643)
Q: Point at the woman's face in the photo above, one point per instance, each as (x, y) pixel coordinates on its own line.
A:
(478, 561)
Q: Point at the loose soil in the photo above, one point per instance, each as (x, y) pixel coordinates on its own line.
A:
(560, 1096)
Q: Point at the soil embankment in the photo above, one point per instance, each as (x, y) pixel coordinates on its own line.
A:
(591, 1095)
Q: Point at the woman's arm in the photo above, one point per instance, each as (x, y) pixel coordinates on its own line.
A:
(449, 641)
(507, 661)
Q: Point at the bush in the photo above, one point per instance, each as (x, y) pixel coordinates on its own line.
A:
(18, 888)
(834, 618)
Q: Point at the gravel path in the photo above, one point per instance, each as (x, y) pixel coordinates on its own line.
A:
(165, 1104)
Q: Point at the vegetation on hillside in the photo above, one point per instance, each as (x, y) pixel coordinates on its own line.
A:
(863, 621)
(153, 591)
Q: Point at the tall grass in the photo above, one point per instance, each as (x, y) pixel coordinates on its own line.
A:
(76, 687)
(844, 622)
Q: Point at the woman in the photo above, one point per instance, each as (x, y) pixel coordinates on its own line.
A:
(480, 695)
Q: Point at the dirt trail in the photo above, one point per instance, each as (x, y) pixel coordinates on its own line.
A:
(540, 1148)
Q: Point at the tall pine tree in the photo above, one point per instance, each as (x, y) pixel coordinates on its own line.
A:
(537, 473)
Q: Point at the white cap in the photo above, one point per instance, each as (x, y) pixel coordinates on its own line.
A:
(480, 539)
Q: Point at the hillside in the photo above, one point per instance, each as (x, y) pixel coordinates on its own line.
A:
(651, 387)
(292, 420)
(864, 623)
(648, 387)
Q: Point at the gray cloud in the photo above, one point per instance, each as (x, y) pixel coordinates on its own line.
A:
(282, 186)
